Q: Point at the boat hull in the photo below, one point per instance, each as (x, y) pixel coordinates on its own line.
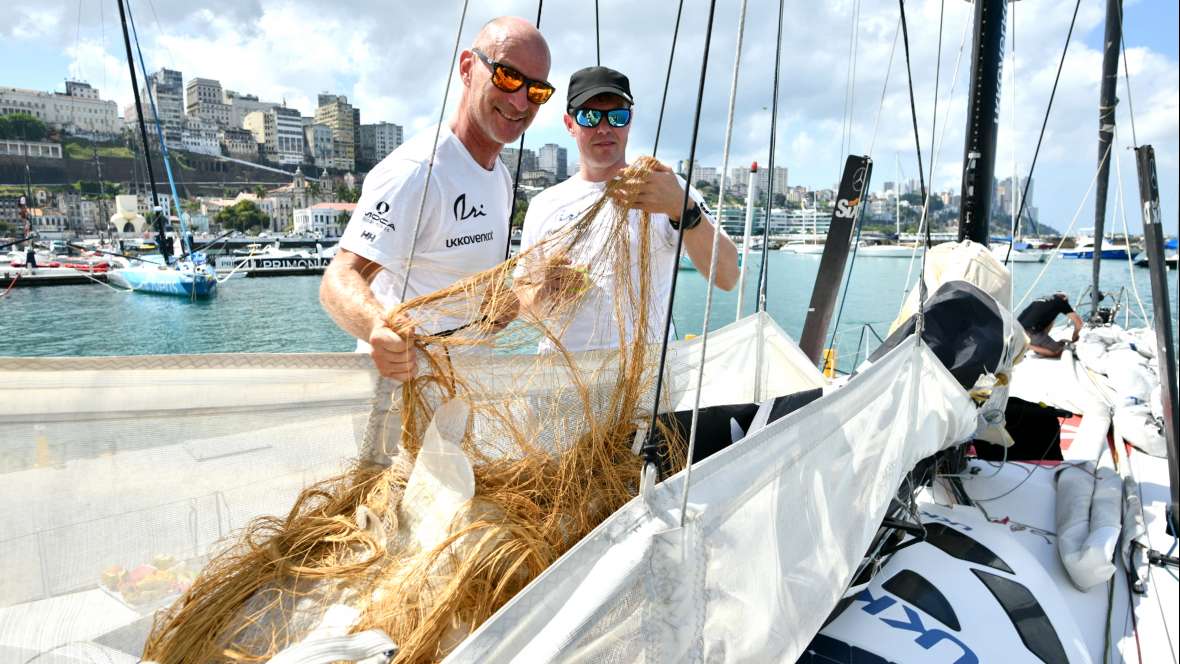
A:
(888, 251)
(1112, 254)
(165, 282)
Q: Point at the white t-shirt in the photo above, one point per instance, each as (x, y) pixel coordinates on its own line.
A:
(594, 325)
(463, 229)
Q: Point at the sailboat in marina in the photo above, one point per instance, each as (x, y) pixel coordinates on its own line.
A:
(187, 275)
(863, 518)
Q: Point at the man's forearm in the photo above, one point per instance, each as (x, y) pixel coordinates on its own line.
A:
(348, 299)
(699, 241)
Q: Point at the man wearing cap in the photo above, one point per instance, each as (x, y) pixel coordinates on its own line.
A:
(1037, 319)
(598, 116)
(429, 216)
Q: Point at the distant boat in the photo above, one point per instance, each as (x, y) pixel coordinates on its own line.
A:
(888, 250)
(1112, 249)
(800, 247)
(1170, 260)
(1001, 251)
(186, 279)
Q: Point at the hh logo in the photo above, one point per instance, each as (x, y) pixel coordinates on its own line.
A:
(461, 211)
(366, 235)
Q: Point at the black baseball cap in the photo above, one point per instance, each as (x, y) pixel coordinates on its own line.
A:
(592, 81)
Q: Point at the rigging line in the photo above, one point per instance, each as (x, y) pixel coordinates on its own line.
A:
(434, 149)
(1014, 183)
(922, 221)
(597, 38)
(1045, 123)
(160, 135)
(934, 118)
(160, 31)
(1127, 77)
(519, 161)
(1057, 249)
(696, 406)
(667, 79)
(760, 305)
(1118, 165)
(884, 88)
(848, 84)
(905, 40)
(649, 449)
(139, 110)
(102, 24)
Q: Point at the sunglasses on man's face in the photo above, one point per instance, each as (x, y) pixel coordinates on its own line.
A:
(510, 80)
(590, 117)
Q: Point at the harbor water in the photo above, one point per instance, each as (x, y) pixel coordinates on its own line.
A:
(283, 314)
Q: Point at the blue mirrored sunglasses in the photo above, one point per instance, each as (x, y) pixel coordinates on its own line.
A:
(590, 117)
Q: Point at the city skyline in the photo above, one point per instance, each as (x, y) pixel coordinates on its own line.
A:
(247, 46)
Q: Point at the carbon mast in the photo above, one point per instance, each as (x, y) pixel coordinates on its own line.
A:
(983, 113)
(1106, 119)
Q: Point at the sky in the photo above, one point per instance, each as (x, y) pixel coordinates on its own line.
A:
(392, 59)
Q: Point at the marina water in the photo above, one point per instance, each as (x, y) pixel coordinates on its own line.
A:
(283, 314)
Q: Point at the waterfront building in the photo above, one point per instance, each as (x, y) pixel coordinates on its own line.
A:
(201, 90)
(378, 140)
(528, 162)
(342, 118)
(200, 135)
(326, 220)
(317, 143)
(78, 111)
(204, 99)
(279, 131)
(739, 176)
(167, 89)
(240, 105)
(143, 204)
(238, 143)
(782, 222)
(552, 158)
(35, 149)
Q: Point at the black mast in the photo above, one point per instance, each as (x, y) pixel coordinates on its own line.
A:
(1153, 240)
(983, 113)
(1106, 107)
(147, 153)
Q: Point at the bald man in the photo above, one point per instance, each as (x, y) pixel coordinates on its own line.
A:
(462, 224)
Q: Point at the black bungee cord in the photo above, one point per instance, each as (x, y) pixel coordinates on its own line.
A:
(667, 79)
(763, 272)
(650, 450)
(519, 160)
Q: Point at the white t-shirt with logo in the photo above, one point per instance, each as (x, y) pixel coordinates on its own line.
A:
(594, 325)
(463, 227)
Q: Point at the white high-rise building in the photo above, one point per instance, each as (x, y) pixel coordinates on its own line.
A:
(378, 140)
(241, 105)
(280, 131)
(167, 89)
(78, 111)
(204, 99)
(317, 143)
(551, 158)
(200, 136)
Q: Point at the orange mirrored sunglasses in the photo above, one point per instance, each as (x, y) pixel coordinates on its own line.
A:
(510, 80)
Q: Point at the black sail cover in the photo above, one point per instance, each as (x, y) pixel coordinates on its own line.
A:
(964, 328)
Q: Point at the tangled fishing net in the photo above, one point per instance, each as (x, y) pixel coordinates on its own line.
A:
(493, 478)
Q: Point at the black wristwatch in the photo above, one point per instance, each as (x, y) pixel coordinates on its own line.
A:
(690, 220)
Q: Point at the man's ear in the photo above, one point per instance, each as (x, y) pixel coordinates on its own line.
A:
(466, 60)
(569, 123)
